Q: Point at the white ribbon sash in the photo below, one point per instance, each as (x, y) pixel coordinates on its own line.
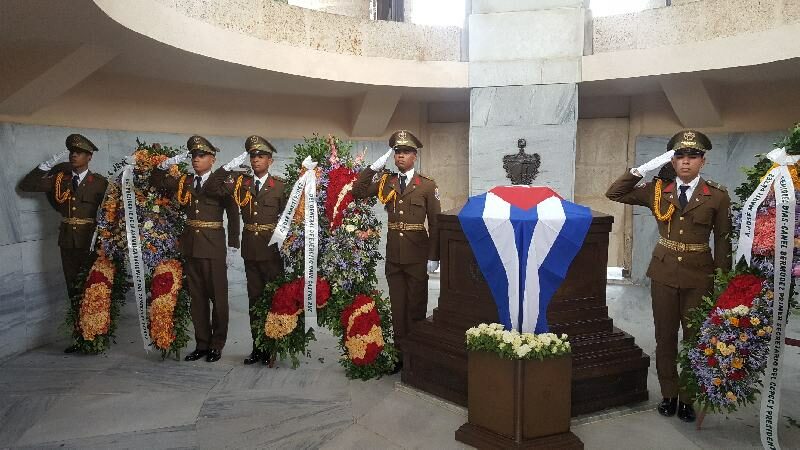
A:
(305, 185)
(780, 179)
(135, 263)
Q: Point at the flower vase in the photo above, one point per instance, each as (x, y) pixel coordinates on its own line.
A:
(518, 403)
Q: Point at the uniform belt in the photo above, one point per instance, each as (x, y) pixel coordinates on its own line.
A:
(402, 226)
(76, 221)
(262, 227)
(203, 224)
(683, 247)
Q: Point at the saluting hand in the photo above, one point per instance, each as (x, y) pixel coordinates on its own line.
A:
(177, 159)
(51, 162)
(432, 266)
(236, 162)
(653, 164)
(381, 162)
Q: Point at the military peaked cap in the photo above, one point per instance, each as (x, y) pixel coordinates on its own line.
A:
(403, 139)
(199, 144)
(257, 145)
(690, 142)
(79, 143)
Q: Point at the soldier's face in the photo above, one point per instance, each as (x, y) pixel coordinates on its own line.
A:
(687, 167)
(260, 163)
(404, 159)
(202, 162)
(79, 159)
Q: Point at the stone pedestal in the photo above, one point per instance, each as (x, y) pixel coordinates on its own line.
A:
(524, 69)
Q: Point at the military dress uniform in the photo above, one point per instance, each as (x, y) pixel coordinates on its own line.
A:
(202, 245)
(261, 204)
(76, 201)
(682, 266)
(409, 245)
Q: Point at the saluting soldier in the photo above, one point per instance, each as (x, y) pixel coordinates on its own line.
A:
(202, 245)
(687, 211)
(76, 193)
(261, 198)
(411, 251)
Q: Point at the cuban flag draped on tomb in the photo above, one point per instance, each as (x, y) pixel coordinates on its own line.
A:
(524, 239)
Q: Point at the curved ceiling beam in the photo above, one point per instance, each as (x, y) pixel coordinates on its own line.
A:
(170, 27)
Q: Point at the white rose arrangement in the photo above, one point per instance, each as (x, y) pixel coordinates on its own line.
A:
(515, 345)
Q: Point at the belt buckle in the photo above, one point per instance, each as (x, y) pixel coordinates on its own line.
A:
(681, 247)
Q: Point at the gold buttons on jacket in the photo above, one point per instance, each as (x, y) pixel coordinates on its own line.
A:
(196, 231)
(681, 218)
(73, 199)
(680, 258)
(197, 201)
(255, 203)
(680, 231)
(401, 234)
(401, 212)
(74, 208)
(197, 211)
(256, 233)
(401, 202)
(255, 213)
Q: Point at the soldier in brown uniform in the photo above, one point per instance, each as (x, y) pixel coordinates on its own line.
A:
(687, 211)
(411, 252)
(202, 245)
(76, 193)
(261, 198)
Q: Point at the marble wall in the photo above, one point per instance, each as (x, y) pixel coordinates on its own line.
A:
(32, 289)
(545, 115)
(723, 163)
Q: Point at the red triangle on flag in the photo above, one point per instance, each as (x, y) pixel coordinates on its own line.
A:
(524, 197)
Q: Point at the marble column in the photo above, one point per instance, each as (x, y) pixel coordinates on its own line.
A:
(524, 68)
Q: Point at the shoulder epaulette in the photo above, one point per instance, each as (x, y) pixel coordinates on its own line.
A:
(426, 177)
(716, 185)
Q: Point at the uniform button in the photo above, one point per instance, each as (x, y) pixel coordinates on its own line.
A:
(196, 231)
(197, 201)
(197, 211)
(255, 213)
(255, 223)
(256, 233)
(680, 258)
(74, 208)
(255, 203)
(401, 234)
(401, 202)
(681, 218)
(74, 228)
(680, 231)
(73, 199)
(401, 212)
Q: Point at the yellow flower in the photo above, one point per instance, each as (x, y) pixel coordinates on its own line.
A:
(734, 321)
(716, 381)
(730, 396)
(708, 351)
(761, 332)
(737, 363)
(743, 337)
(768, 329)
(755, 320)
(721, 346)
(713, 340)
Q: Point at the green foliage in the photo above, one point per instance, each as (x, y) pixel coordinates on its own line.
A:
(792, 141)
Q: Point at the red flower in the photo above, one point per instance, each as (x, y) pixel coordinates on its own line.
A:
(373, 350)
(96, 277)
(285, 299)
(744, 322)
(338, 180)
(741, 290)
(162, 284)
(323, 292)
(716, 320)
(736, 375)
(711, 361)
(744, 352)
(358, 302)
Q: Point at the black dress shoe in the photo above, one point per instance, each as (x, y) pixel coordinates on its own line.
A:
(255, 356)
(72, 348)
(195, 355)
(268, 359)
(686, 412)
(668, 406)
(214, 355)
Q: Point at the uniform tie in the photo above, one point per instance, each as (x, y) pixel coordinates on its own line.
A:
(402, 183)
(682, 198)
(74, 183)
(258, 186)
(197, 181)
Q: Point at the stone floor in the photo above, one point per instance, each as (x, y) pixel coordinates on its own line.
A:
(127, 399)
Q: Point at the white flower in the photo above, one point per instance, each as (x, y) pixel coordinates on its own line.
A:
(508, 337)
(483, 326)
(350, 228)
(517, 341)
(148, 225)
(156, 208)
(502, 345)
(523, 350)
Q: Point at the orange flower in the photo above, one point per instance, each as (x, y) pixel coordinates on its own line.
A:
(280, 325)
(734, 321)
(95, 308)
(162, 309)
